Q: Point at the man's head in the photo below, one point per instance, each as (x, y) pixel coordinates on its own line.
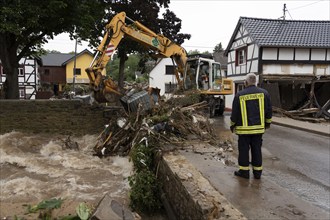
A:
(250, 80)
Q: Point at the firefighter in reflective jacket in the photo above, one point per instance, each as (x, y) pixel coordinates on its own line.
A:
(251, 115)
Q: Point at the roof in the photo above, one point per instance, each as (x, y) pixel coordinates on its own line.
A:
(286, 33)
(79, 54)
(55, 59)
(60, 59)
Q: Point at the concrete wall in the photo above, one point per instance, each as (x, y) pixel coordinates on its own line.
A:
(51, 116)
(190, 195)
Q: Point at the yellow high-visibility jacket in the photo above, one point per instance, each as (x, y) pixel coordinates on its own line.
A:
(251, 110)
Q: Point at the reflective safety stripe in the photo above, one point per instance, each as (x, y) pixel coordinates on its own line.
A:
(259, 131)
(268, 120)
(262, 110)
(257, 168)
(252, 129)
(243, 112)
(244, 168)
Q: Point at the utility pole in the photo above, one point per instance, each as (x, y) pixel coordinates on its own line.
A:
(284, 10)
(74, 68)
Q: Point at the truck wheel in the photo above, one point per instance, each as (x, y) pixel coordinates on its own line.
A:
(221, 108)
(212, 111)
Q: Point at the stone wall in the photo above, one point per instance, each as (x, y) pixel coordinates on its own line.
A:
(190, 195)
(51, 116)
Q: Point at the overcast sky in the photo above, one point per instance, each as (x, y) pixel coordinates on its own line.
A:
(213, 21)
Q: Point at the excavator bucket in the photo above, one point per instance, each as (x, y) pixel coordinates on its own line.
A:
(131, 102)
(145, 99)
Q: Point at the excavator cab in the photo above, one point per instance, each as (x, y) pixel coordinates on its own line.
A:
(204, 74)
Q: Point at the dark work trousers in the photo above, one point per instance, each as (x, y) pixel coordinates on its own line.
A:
(245, 143)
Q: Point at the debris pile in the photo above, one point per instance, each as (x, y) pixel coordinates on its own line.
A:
(320, 114)
(171, 123)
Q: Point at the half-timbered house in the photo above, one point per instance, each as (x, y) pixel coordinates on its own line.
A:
(28, 77)
(290, 57)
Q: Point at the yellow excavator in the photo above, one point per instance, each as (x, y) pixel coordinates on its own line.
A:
(197, 72)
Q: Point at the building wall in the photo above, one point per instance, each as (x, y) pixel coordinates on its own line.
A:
(158, 78)
(242, 41)
(83, 61)
(237, 80)
(236, 71)
(56, 74)
(296, 61)
(28, 78)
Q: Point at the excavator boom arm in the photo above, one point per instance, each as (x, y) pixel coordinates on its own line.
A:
(116, 30)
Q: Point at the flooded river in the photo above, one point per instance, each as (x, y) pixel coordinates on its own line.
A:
(38, 167)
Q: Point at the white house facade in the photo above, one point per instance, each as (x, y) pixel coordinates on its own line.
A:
(162, 76)
(289, 56)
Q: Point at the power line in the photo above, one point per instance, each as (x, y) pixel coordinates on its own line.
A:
(307, 5)
(285, 9)
(198, 46)
(289, 14)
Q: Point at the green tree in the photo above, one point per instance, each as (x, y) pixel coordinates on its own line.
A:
(131, 66)
(27, 24)
(218, 48)
(191, 52)
(207, 53)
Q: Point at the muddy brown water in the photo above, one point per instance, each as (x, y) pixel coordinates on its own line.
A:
(37, 167)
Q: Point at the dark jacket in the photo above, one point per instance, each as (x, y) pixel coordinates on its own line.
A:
(251, 111)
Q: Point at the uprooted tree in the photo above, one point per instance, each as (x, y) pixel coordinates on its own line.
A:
(26, 25)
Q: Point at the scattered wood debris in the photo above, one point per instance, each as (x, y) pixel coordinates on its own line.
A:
(69, 144)
(309, 114)
(173, 121)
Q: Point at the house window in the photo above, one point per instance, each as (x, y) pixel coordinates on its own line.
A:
(170, 87)
(47, 72)
(241, 56)
(169, 70)
(22, 93)
(20, 71)
(78, 71)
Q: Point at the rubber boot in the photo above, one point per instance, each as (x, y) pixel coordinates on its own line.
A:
(257, 174)
(243, 173)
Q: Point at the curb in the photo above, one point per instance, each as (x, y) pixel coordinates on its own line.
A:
(327, 134)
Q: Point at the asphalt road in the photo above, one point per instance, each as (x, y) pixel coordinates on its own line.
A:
(300, 162)
(295, 182)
